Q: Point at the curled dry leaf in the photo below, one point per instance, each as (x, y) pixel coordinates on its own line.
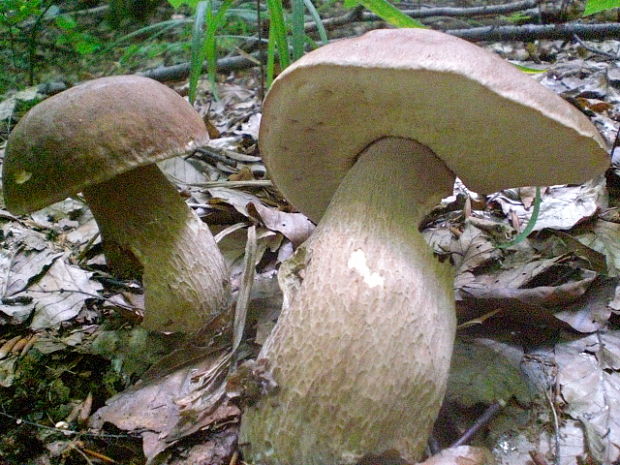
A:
(294, 226)
(167, 408)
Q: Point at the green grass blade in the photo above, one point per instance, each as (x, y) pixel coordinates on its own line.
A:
(197, 57)
(386, 11)
(297, 26)
(317, 20)
(271, 57)
(530, 224)
(596, 6)
(159, 27)
(214, 23)
(276, 15)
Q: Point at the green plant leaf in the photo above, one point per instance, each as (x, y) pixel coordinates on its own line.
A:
(386, 11)
(177, 3)
(297, 25)
(317, 20)
(197, 56)
(527, 69)
(596, 6)
(65, 22)
(271, 57)
(213, 24)
(154, 30)
(86, 45)
(278, 27)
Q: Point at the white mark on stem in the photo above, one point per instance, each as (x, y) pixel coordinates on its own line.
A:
(357, 262)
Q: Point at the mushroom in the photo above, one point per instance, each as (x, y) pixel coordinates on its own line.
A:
(364, 135)
(103, 138)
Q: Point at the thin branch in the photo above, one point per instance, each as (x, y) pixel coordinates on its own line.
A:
(589, 48)
(532, 32)
(181, 71)
(480, 423)
(355, 15)
(466, 12)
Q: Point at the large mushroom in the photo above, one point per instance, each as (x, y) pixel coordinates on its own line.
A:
(103, 138)
(364, 135)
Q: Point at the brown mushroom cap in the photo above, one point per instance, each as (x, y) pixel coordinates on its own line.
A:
(91, 133)
(492, 125)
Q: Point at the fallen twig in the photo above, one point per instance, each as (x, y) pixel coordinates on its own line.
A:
(534, 32)
(181, 71)
(469, 11)
(611, 56)
(480, 423)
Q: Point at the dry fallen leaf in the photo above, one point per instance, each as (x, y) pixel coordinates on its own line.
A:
(561, 208)
(589, 379)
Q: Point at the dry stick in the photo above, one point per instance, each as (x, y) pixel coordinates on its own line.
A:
(471, 11)
(596, 51)
(355, 15)
(484, 420)
(532, 32)
(178, 72)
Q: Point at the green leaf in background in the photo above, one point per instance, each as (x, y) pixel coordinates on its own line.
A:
(86, 44)
(386, 11)
(213, 24)
(596, 6)
(527, 69)
(278, 28)
(317, 20)
(271, 57)
(204, 43)
(197, 49)
(177, 3)
(297, 23)
(65, 22)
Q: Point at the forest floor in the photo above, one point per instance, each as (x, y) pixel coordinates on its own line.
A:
(538, 342)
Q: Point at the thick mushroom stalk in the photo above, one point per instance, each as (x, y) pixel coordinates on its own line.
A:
(361, 356)
(141, 214)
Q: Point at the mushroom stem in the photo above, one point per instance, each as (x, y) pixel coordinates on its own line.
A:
(141, 214)
(362, 355)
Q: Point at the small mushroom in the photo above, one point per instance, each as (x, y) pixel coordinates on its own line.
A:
(365, 135)
(103, 138)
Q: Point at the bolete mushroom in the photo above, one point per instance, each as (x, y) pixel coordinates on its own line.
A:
(103, 138)
(364, 135)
